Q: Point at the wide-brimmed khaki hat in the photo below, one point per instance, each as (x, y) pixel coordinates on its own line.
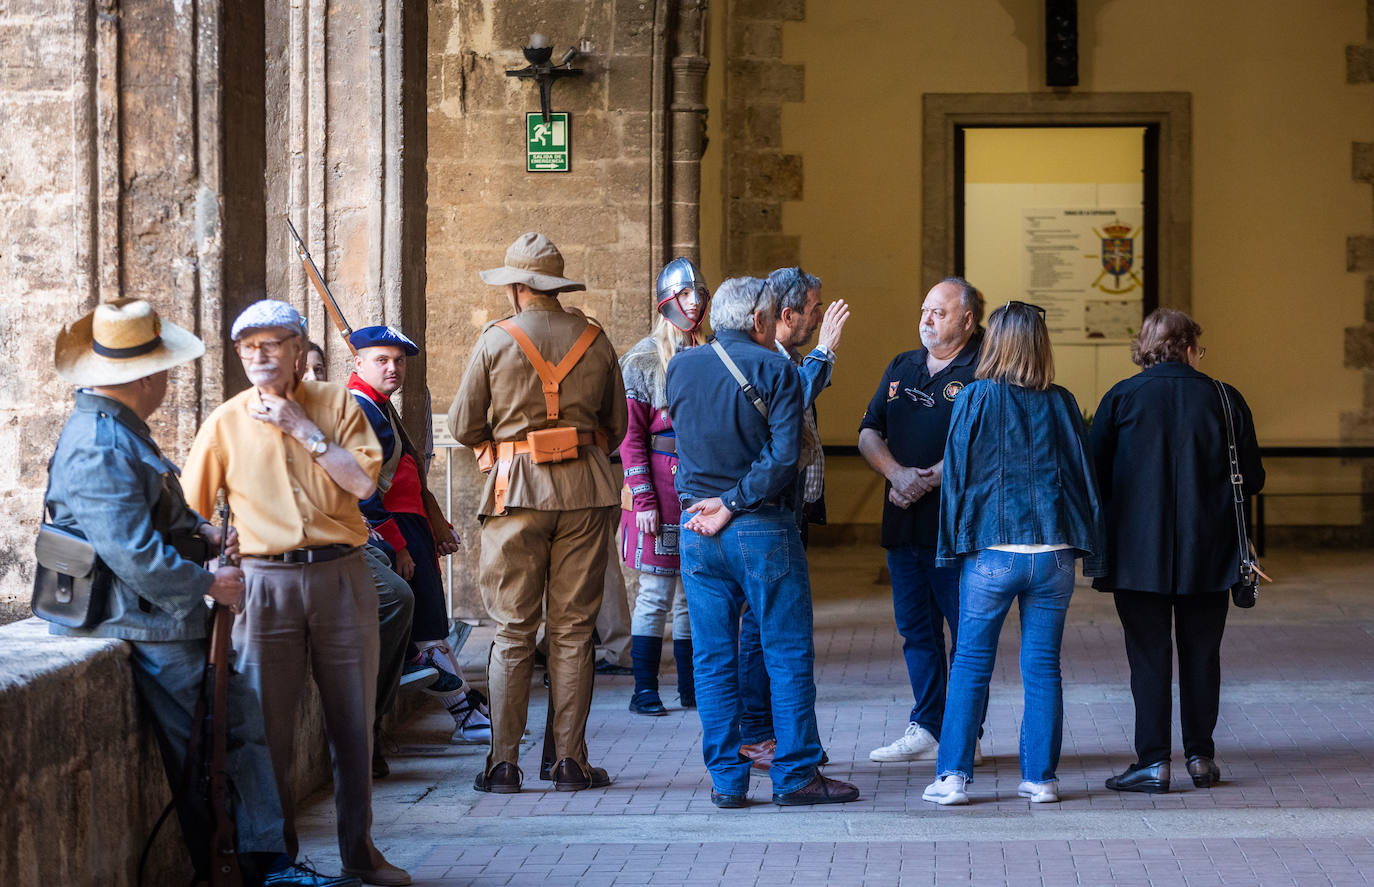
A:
(119, 342)
(534, 261)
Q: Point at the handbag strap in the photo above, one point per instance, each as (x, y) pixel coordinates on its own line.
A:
(1237, 494)
(749, 390)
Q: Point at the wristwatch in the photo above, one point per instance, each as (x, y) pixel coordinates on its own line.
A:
(316, 444)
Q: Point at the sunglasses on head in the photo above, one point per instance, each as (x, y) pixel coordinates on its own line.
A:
(1036, 308)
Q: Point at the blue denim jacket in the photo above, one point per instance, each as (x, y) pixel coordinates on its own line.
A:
(1017, 472)
(105, 479)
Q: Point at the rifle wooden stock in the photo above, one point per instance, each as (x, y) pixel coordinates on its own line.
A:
(224, 860)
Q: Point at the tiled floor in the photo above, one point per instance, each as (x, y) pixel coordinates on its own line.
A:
(1295, 744)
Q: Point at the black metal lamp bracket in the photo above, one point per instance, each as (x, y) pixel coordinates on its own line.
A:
(545, 74)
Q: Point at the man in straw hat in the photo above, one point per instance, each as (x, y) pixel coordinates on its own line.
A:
(294, 458)
(543, 403)
(110, 483)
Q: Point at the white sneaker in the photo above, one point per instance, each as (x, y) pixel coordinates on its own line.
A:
(977, 752)
(946, 790)
(472, 720)
(1040, 792)
(916, 744)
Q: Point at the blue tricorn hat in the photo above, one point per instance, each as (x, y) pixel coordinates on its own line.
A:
(372, 336)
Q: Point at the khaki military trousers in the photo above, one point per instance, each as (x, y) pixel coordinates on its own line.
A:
(525, 552)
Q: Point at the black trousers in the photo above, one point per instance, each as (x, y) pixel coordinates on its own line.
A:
(1197, 622)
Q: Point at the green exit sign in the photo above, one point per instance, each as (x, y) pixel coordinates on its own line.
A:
(547, 144)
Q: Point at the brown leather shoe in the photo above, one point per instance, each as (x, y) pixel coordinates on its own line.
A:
(760, 754)
(385, 874)
(570, 776)
(820, 790)
(504, 779)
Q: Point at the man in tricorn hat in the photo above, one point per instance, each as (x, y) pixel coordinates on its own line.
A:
(110, 483)
(294, 458)
(542, 403)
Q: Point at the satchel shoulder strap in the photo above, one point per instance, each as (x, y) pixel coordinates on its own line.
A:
(749, 390)
(1237, 479)
(551, 376)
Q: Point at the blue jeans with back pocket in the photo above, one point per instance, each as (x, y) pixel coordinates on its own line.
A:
(1041, 584)
(757, 559)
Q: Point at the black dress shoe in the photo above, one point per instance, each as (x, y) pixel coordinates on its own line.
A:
(504, 779)
(820, 790)
(604, 667)
(1204, 771)
(647, 702)
(1152, 779)
(728, 802)
(570, 776)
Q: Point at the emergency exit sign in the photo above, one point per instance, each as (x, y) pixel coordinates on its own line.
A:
(547, 144)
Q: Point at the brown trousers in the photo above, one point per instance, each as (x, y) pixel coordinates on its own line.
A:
(525, 552)
(326, 614)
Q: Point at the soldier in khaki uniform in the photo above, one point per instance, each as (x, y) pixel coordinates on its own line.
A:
(542, 403)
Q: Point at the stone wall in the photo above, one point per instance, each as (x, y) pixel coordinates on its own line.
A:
(1358, 426)
(109, 187)
(83, 776)
(757, 174)
(608, 215)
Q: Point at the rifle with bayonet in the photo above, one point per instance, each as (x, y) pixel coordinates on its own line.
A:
(224, 860)
(438, 524)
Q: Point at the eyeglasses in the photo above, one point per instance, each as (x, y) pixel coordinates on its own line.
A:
(269, 347)
(919, 396)
(1201, 352)
(1035, 308)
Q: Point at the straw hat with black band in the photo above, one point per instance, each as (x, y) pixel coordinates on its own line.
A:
(121, 341)
(534, 261)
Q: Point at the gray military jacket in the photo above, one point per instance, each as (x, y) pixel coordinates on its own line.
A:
(107, 478)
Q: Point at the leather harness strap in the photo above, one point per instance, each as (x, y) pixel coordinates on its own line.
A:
(551, 376)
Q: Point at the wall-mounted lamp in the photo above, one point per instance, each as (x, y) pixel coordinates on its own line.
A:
(538, 54)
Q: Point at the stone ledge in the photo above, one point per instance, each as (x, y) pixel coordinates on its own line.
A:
(81, 768)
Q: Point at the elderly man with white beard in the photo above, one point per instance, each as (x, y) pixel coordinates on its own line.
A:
(902, 436)
(293, 458)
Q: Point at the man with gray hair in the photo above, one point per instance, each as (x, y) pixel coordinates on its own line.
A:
(737, 407)
(799, 313)
(902, 437)
(293, 458)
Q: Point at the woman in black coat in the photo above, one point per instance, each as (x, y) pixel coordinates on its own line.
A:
(1159, 443)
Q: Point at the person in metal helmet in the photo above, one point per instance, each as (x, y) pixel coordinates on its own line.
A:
(650, 510)
(682, 296)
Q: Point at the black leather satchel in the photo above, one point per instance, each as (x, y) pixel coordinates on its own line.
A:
(71, 584)
(1245, 591)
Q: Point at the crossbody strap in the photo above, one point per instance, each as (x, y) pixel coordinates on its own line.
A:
(749, 390)
(1237, 479)
(551, 376)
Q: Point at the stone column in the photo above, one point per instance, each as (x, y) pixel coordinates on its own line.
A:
(688, 126)
(1358, 426)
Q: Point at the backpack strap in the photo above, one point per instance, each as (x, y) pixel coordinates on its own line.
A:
(749, 390)
(551, 376)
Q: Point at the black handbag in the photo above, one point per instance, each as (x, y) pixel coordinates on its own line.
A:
(71, 585)
(1245, 591)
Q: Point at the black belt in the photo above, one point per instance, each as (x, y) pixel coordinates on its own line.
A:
(663, 443)
(316, 555)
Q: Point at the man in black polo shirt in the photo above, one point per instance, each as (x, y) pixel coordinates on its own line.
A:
(902, 436)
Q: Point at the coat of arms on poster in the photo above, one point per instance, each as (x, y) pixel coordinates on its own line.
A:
(1085, 265)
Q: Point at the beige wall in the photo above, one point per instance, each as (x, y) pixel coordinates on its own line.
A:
(1273, 197)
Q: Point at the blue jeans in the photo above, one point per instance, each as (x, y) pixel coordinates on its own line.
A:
(756, 712)
(757, 560)
(1041, 584)
(924, 597)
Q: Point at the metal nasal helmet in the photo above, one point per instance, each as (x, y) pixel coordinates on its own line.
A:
(678, 278)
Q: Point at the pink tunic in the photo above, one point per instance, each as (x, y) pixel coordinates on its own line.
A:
(648, 472)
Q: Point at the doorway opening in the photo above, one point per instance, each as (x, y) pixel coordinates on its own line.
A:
(1064, 218)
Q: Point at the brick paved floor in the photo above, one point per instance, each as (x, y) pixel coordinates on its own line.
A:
(1295, 745)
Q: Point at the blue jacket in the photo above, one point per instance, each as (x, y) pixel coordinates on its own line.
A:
(106, 477)
(1017, 472)
(724, 447)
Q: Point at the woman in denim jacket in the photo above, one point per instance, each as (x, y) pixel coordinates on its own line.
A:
(1018, 504)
